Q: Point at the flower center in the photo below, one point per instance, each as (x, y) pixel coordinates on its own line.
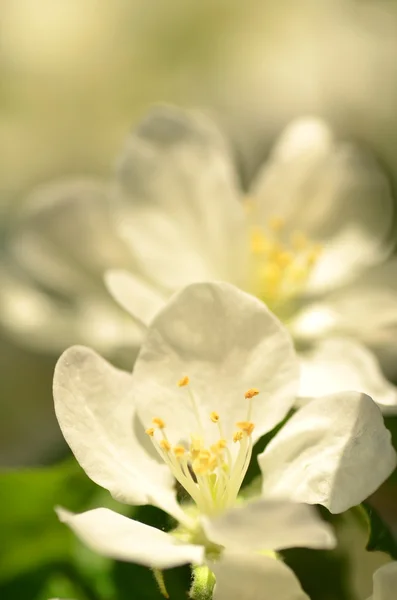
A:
(282, 264)
(212, 475)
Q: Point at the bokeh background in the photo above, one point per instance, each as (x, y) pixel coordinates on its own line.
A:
(75, 76)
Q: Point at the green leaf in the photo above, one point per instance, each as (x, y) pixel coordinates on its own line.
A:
(31, 533)
(380, 537)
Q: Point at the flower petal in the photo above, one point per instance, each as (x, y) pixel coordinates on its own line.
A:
(40, 320)
(226, 342)
(338, 364)
(185, 221)
(252, 576)
(365, 309)
(120, 538)
(134, 294)
(95, 410)
(43, 240)
(385, 582)
(269, 525)
(334, 451)
(333, 192)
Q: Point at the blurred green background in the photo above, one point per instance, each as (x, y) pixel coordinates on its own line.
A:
(75, 76)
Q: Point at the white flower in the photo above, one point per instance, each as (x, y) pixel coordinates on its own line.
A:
(216, 371)
(385, 582)
(317, 218)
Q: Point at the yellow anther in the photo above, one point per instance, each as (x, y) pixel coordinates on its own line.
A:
(158, 422)
(219, 446)
(165, 445)
(214, 417)
(259, 243)
(246, 426)
(276, 223)
(195, 446)
(179, 451)
(184, 381)
(251, 393)
(150, 431)
(238, 436)
(272, 273)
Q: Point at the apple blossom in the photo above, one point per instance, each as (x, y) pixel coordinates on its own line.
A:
(216, 371)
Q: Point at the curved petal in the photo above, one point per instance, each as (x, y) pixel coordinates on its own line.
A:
(367, 310)
(120, 538)
(176, 174)
(333, 192)
(55, 217)
(251, 576)
(385, 582)
(334, 451)
(43, 321)
(134, 294)
(269, 525)
(95, 410)
(339, 364)
(226, 342)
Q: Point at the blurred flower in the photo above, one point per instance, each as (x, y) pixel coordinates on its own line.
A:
(385, 582)
(190, 412)
(310, 240)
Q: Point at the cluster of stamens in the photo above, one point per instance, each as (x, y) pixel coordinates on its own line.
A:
(212, 475)
(282, 263)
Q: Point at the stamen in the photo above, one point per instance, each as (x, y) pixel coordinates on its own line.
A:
(251, 393)
(214, 416)
(184, 381)
(246, 426)
(165, 445)
(179, 451)
(211, 475)
(282, 263)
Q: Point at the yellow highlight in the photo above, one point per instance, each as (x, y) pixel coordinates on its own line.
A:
(246, 426)
(150, 431)
(179, 451)
(184, 381)
(282, 263)
(238, 436)
(159, 422)
(214, 416)
(165, 445)
(251, 393)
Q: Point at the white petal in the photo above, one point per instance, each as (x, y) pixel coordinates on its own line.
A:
(367, 310)
(226, 342)
(269, 525)
(253, 577)
(385, 582)
(65, 236)
(95, 410)
(333, 192)
(185, 220)
(120, 538)
(39, 320)
(134, 294)
(334, 451)
(338, 364)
